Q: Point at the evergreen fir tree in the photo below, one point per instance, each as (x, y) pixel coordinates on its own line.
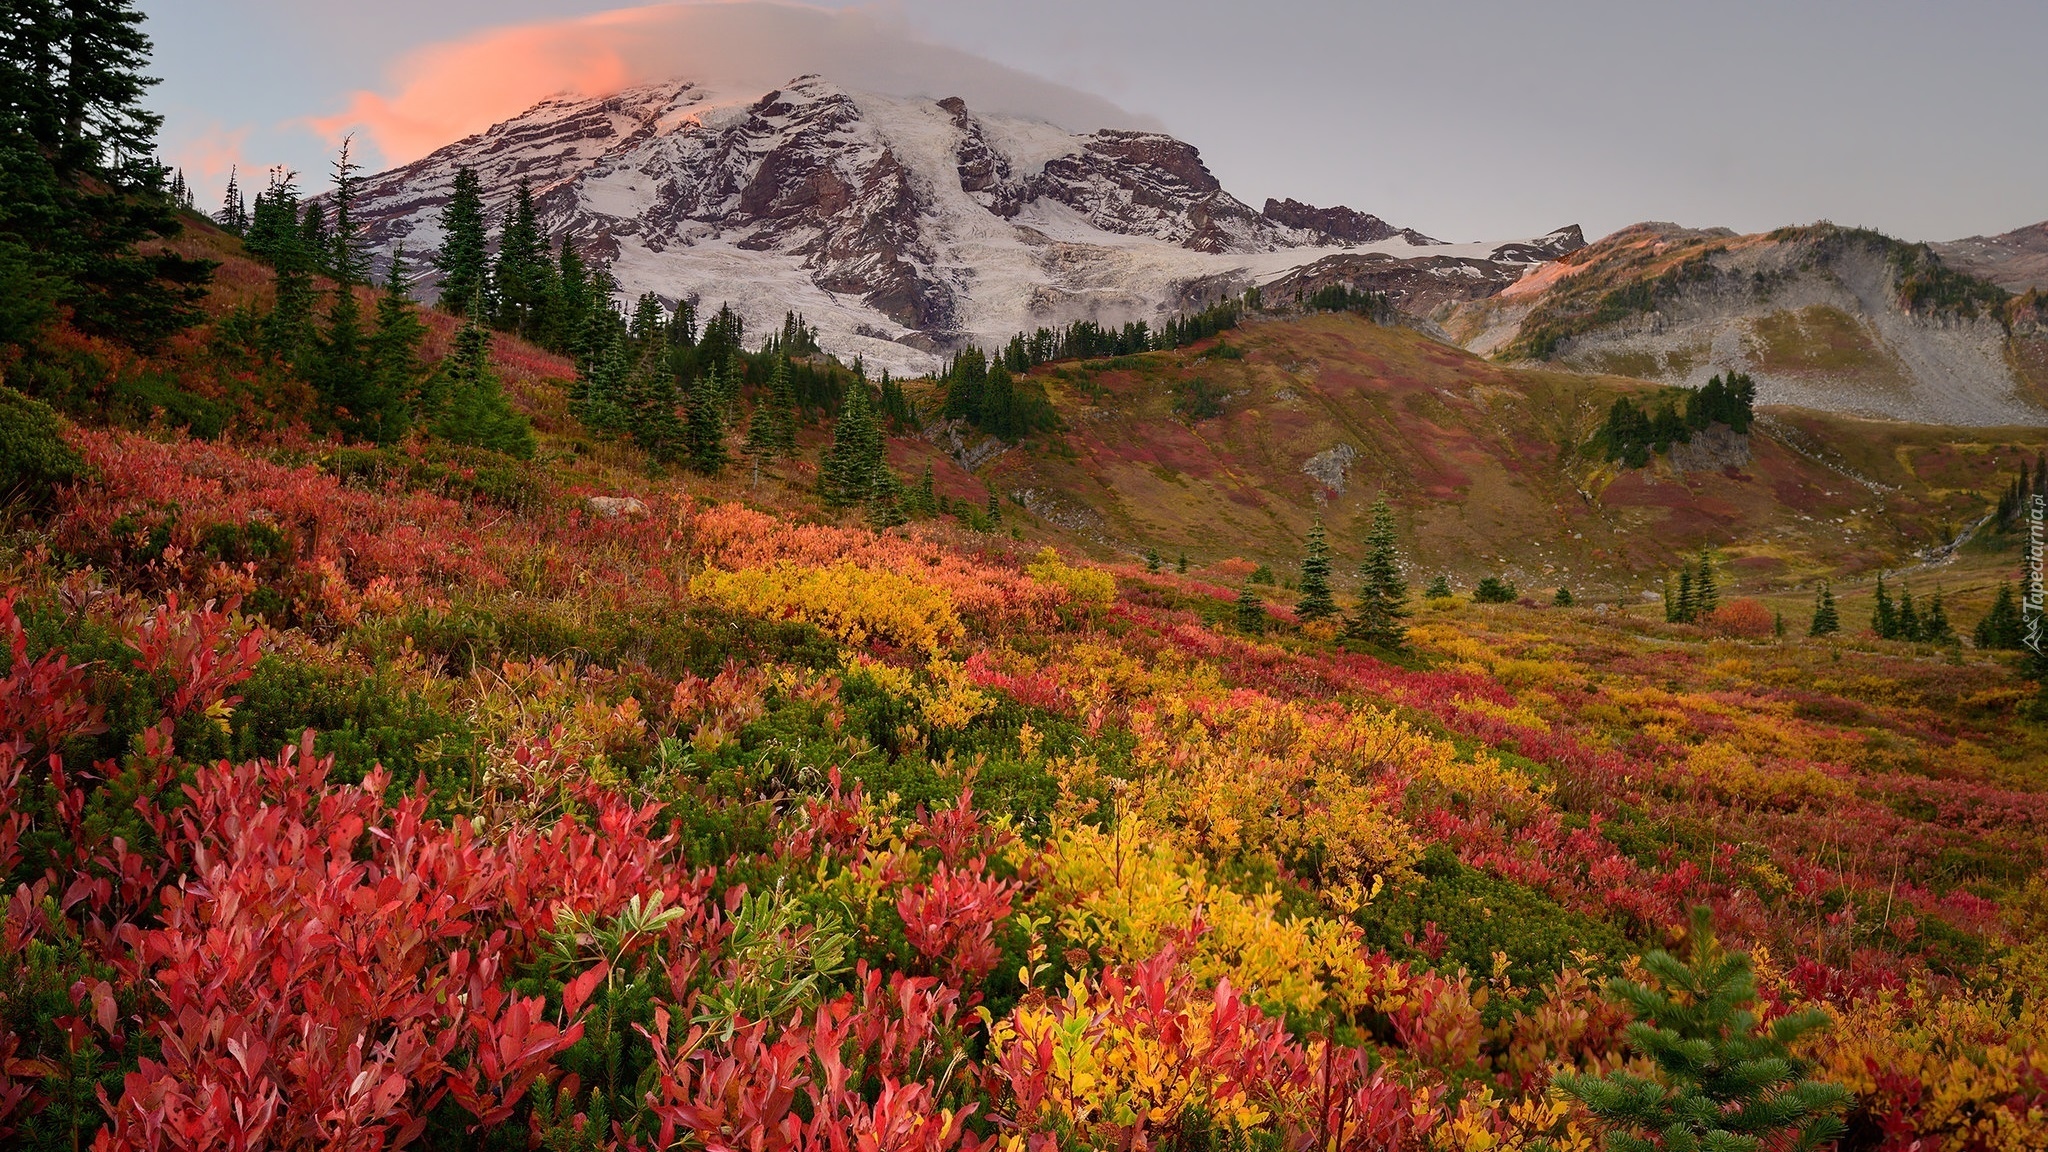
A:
(394, 354)
(342, 373)
(1706, 590)
(1251, 613)
(1439, 588)
(650, 404)
(1934, 626)
(704, 432)
(1563, 599)
(599, 399)
(1908, 620)
(313, 239)
(1180, 565)
(1382, 592)
(288, 330)
(1884, 619)
(2002, 626)
(1316, 603)
(1724, 1081)
(1688, 597)
(925, 500)
(781, 405)
(1826, 621)
(519, 279)
(885, 504)
(854, 460)
(233, 216)
(464, 257)
(80, 185)
(1151, 559)
(1672, 608)
(474, 410)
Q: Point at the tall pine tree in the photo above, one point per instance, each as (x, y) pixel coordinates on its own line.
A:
(1316, 602)
(464, 259)
(394, 356)
(1382, 591)
(1826, 621)
(853, 462)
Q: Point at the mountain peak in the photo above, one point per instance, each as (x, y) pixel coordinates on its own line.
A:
(896, 224)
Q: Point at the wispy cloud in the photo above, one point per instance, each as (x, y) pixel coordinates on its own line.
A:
(443, 92)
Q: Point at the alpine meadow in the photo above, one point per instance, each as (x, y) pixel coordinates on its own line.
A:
(822, 619)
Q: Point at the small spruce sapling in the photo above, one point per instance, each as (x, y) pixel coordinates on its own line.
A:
(1724, 1082)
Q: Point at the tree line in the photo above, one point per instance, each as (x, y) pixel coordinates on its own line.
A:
(1633, 435)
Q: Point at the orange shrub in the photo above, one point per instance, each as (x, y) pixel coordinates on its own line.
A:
(1746, 618)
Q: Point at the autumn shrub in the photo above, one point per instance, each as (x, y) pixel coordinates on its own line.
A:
(1745, 618)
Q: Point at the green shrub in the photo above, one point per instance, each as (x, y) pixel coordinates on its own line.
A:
(1480, 915)
(34, 459)
(1494, 590)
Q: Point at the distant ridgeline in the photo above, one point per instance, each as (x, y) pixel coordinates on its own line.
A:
(1633, 435)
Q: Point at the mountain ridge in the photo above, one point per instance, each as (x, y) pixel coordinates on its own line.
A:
(901, 227)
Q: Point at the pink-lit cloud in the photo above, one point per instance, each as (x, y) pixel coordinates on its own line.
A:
(443, 92)
(208, 157)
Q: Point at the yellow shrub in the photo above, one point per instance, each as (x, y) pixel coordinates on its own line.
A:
(1123, 895)
(1088, 585)
(854, 603)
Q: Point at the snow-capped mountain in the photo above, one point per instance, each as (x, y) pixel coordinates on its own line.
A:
(901, 227)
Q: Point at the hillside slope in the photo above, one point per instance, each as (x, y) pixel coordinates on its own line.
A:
(1483, 462)
(1822, 317)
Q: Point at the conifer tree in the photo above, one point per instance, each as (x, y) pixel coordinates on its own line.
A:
(649, 400)
(1382, 592)
(2002, 626)
(1884, 619)
(1439, 588)
(394, 366)
(1563, 599)
(288, 330)
(342, 373)
(463, 261)
(1688, 597)
(598, 400)
(233, 216)
(1180, 565)
(1706, 590)
(1826, 621)
(1725, 1081)
(852, 463)
(704, 431)
(1316, 602)
(1934, 626)
(473, 408)
(520, 279)
(1251, 612)
(885, 503)
(1151, 559)
(1908, 619)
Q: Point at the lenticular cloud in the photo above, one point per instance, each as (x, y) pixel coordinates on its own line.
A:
(446, 91)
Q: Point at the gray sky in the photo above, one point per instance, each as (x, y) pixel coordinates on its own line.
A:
(1466, 120)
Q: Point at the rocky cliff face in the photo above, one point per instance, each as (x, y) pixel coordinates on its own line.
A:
(901, 227)
(1821, 317)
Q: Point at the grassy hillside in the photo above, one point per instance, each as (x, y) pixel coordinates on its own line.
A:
(1483, 462)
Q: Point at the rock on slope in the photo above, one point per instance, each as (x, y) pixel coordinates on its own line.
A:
(901, 227)
(1822, 317)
